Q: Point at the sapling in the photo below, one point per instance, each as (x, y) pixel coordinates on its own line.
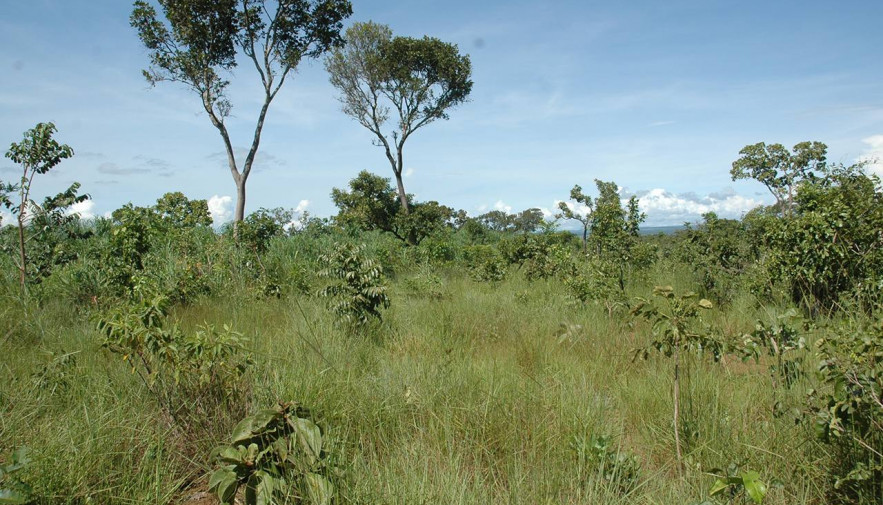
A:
(677, 326)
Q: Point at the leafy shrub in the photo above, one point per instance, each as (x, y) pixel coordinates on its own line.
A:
(258, 228)
(541, 256)
(356, 292)
(717, 251)
(831, 246)
(278, 456)
(848, 412)
(597, 281)
(197, 379)
(486, 264)
(372, 204)
(782, 341)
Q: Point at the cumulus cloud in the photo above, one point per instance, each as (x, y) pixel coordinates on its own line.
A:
(299, 212)
(663, 207)
(874, 154)
(503, 207)
(221, 209)
(85, 209)
(577, 208)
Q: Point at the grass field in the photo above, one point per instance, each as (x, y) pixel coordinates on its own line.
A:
(469, 394)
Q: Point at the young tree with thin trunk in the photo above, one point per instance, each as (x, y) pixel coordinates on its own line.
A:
(584, 216)
(418, 80)
(196, 42)
(37, 153)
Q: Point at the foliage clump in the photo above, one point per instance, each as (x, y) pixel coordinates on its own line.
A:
(848, 410)
(617, 469)
(276, 456)
(198, 379)
(356, 292)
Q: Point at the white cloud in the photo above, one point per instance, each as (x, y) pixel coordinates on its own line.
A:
(299, 211)
(221, 209)
(6, 218)
(503, 207)
(409, 172)
(663, 207)
(549, 215)
(874, 154)
(577, 208)
(85, 209)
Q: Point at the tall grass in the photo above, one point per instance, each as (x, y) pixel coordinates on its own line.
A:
(469, 396)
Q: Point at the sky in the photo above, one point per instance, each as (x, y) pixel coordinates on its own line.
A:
(656, 96)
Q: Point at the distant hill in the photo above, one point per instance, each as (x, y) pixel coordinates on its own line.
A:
(654, 230)
(645, 230)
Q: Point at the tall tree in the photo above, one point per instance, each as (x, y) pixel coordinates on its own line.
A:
(779, 170)
(420, 79)
(196, 43)
(37, 153)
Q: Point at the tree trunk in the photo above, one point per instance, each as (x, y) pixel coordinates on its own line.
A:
(240, 201)
(677, 403)
(403, 197)
(21, 248)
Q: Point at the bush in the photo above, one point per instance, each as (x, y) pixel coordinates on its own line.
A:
(849, 412)
(278, 456)
(197, 379)
(486, 264)
(356, 293)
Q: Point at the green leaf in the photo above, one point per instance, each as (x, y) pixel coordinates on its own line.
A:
(228, 454)
(753, 486)
(265, 489)
(319, 489)
(20, 457)
(310, 437)
(224, 483)
(13, 497)
(718, 487)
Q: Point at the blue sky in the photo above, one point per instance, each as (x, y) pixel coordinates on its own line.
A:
(657, 96)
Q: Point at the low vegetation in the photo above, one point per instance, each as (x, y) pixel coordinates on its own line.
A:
(493, 359)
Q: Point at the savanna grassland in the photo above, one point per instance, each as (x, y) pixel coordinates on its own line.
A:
(404, 352)
(480, 366)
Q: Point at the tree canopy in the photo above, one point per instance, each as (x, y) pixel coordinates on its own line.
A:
(417, 80)
(371, 204)
(779, 170)
(196, 42)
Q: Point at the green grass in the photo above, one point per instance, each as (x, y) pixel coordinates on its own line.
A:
(466, 399)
